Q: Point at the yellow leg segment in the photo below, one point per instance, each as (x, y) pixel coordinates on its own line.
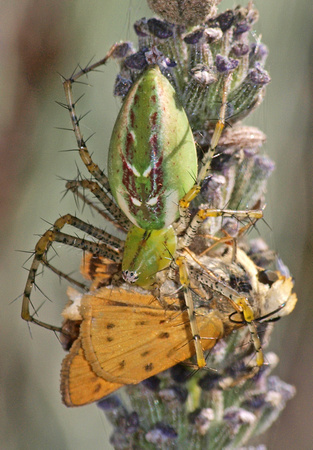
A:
(184, 280)
(249, 318)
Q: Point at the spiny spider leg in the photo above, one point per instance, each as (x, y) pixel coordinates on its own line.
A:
(74, 185)
(63, 275)
(227, 239)
(113, 244)
(93, 168)
(185, 282)
(240, 303)
(203, 214)
(189, 230)
(205, 163)
(249, 319)
(192, 227)
(120, 221)
(109, 247)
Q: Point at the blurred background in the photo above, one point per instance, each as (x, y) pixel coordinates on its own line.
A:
(38, 40)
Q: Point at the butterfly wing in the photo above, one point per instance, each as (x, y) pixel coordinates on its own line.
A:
(128, 337)
(79, 384)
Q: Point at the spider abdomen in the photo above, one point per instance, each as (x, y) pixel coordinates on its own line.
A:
(152, 156)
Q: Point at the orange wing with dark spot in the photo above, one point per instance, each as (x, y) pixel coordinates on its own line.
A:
(128, 337)
(79, 384)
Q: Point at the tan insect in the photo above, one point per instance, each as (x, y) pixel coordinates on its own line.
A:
(126, 336)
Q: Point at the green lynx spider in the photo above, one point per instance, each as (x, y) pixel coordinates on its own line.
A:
(163, 243)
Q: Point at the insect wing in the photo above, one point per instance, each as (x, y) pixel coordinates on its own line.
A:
(279, 295)
(79, 384)
(98, 269)
(128, 337)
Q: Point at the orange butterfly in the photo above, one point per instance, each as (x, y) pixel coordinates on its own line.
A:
(126, 337)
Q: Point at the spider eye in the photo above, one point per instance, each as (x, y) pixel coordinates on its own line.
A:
(130, 276)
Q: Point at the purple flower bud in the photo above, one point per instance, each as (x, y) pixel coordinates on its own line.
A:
(241, 27)
(109, 403)
(212, 190)
(122, 86)
(237, 370)
(141, 28)
(194, 37)
(180, 373)
(240, 49)
(225, 20)
(236, 417)
(161, 434)
(137, 61)
(202, 419)
(210, 381)
(259, 76)
(224, 64)
(119, 440)
(152, 383)
(255, 402)
(258, 52)
(122, 50)
(160, 29)
(132, 423)
(286, 390)
(174, 394)
(264, 164)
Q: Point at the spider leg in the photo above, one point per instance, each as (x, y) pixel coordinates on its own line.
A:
(120, 221)
(109, 247)
(185, 282)
(228, 239)
(190, 229)
(241, 304)
(63, 275)
(205, 163)
(184, 224)
(203, 214)
(116, 51)
(249, 319)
